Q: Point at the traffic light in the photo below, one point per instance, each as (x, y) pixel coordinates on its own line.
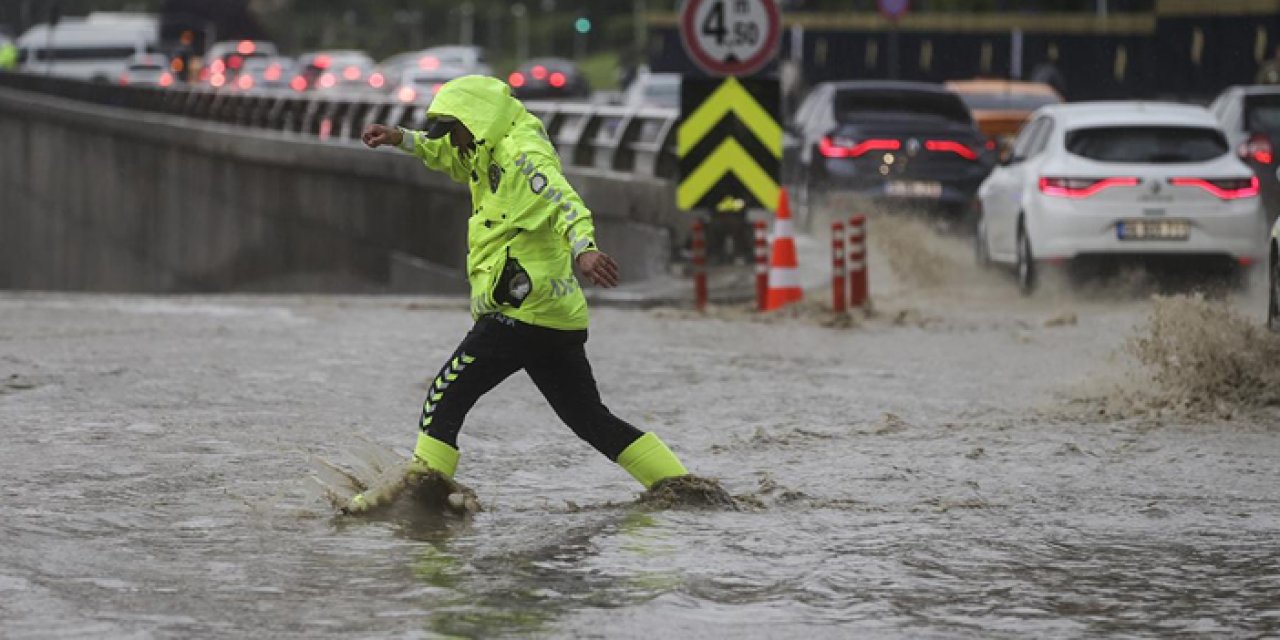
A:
(582, 25)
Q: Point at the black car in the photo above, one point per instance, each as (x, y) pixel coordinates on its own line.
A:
(887, 143)
(1250, 116)
(548, 79)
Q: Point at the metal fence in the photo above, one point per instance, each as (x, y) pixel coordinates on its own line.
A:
(611, 138)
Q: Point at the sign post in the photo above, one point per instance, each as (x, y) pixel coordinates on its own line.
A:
(893, 10)
(729, 141)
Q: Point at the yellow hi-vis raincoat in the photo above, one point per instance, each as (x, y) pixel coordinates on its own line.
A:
(523, 208)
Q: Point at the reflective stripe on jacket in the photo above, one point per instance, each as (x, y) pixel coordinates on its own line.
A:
(522, 205)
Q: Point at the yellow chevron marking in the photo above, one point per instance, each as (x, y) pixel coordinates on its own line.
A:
(435, 397)
(729, 97)
(455, 363)
(451, 377)
(467, 359)
(729, 156)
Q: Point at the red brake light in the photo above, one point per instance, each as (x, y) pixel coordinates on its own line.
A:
(1257, 148)
(991, 144)
(124, 78)
(327, 80)
(538, 72)
(235, 62)
(951, 146)
(376, 80)
(245, 82)
(217, 66)
(1229, 189)
(298, 83)
(840, 148)
(246, 47)
(407, 94)
(272, 73)
(557, 80)
(322, 62)
(1082, 187)
(516, 79)
(217, 80)
(166, 79)
(429, 63)
(351, 73)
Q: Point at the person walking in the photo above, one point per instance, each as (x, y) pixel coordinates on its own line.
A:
(527, 230)
(8, 55)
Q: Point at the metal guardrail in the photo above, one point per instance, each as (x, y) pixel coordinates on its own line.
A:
(612, 138)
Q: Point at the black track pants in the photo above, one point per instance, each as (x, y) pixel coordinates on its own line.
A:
(498, 346)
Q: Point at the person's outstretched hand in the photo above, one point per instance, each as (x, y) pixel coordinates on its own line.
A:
(599, 268)
(376, 135)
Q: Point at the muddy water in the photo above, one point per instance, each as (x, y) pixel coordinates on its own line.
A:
(953, 466)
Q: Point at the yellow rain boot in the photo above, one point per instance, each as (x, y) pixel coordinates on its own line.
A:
(434, 454)
(649, 460)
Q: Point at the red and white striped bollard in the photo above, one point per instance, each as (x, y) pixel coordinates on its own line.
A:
(837, 268)
(858, 261)
(762, 264)
(699, 267)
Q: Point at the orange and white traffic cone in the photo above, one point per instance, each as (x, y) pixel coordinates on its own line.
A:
(784, 270)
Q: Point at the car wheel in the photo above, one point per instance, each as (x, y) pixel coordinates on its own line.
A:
(981, 250)
(1273, 287)
(1026, 263)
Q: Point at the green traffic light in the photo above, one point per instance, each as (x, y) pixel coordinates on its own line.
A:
(583, 25)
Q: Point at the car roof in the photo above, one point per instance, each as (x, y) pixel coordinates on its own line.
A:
(997, 85)
(1128, 112)
(1259, 89)
(887, 85)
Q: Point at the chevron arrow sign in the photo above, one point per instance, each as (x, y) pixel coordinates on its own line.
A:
(729, 144)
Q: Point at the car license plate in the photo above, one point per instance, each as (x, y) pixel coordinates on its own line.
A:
(1153, 230)
(913, 189)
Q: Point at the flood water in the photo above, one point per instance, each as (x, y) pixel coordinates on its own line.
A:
(961, 465)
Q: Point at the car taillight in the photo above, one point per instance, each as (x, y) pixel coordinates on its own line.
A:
(407, 94)
(557, 80)
(124, 79)
(246, 47)
(516, 79)
(538, 72)
(235, 62)
(218, 66)
(272, 73)
(1228, 189)
(428, 63)
(166, 80)
(298, 83)
(217, 80)
(327, 80)
(376, 80)
(1257, 148)
(245, 82)
(351, 73)
(951, 146)
(845, 148)
(1082, 187)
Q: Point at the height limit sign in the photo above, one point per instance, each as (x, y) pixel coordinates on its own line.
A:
(730, 37)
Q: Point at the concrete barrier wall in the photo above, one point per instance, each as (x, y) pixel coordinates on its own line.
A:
(102, 199)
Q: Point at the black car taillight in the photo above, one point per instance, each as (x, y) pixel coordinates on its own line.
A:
(845, 148)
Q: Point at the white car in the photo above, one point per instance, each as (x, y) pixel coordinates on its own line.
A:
(1273, 276)
(1108, 180)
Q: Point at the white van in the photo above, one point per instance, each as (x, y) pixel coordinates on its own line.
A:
(96, 48)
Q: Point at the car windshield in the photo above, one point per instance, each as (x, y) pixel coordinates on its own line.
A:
(994, 101)
(1147, 144)
(1262, 113)
(860, 103)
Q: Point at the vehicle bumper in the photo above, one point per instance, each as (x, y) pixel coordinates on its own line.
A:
(1067, 229)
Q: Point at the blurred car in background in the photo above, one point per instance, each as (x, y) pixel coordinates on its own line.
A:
(548, 79)
(345, 71)
(418, 86)
(886, 142)
(1250, 116)
(653, 90)
(224, 60)
(1273, 278)
(147, 70)
(1105, 183)
(1001, 107)
(261, 73)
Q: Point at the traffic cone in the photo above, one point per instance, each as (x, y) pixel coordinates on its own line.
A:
(784, 270)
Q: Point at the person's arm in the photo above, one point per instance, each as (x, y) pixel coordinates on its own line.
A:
(436, 154)
(547, 195)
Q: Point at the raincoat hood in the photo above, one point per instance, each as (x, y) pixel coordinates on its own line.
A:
(484, 106)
